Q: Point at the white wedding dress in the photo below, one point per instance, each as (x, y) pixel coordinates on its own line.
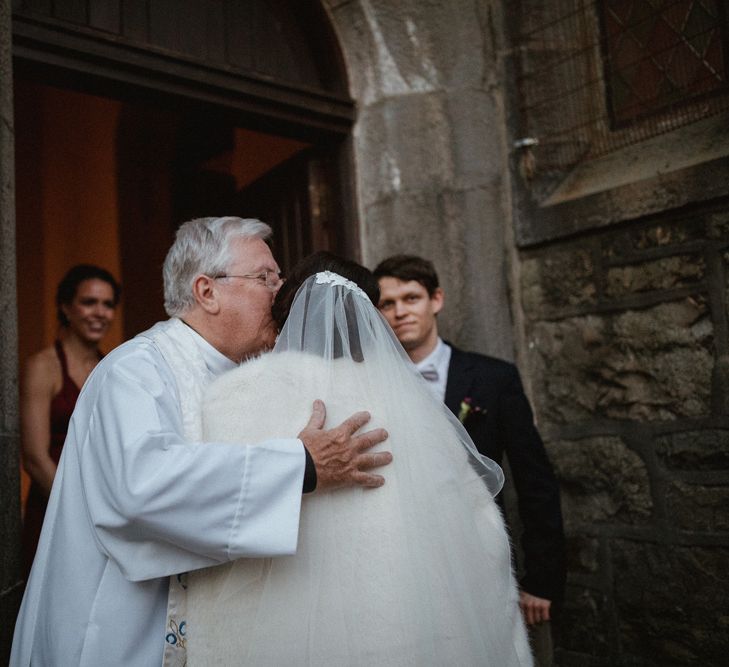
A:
(416, 572)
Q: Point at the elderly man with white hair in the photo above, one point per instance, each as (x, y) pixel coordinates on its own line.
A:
(139, 500)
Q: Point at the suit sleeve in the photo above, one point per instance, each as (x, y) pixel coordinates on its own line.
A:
(537, 492)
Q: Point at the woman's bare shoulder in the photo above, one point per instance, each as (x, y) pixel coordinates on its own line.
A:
(43, 370)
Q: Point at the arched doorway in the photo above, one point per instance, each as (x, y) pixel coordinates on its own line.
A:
(131, 117)
(134, 116)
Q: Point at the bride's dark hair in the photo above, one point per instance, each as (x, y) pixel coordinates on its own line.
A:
(314, 263)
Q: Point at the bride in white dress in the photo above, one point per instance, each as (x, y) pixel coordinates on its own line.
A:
(417, 572)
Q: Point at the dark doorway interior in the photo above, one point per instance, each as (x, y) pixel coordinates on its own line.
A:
(108, 181)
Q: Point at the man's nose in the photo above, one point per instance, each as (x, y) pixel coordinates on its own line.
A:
(400, 309)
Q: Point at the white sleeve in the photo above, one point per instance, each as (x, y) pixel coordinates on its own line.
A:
(160, 505)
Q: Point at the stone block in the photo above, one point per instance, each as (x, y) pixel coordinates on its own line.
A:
(429, 142)
(410, 222)
(718, 225)
(601, 480)
(694, 450)
(477, 314)
(450, 42)
(477, 138)
(404, 146)
(671, 603)
(9, 414)
(650, 364)
(585, 622)
(557, 279)
(583, 554)
(630, 242)
(662, 274)
(725, 258)
(698, 507)
(455, 229)
(412, 46)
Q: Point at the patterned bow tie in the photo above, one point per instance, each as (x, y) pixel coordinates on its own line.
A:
(430, 373)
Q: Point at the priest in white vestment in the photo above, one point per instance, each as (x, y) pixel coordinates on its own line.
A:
(139, 498)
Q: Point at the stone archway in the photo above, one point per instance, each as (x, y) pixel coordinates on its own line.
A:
(430, 150)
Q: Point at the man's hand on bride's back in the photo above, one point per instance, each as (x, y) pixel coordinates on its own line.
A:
(340, 457)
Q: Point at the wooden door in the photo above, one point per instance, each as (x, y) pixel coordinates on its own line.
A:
(296, 199)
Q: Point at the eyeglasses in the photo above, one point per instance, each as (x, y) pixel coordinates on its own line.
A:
(271, 279)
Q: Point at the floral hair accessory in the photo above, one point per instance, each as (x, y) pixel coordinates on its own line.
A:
(467, 407)
(324, 277)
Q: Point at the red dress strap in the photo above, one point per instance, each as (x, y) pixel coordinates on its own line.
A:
(62, 405)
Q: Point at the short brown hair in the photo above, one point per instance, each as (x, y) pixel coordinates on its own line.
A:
(409, 267)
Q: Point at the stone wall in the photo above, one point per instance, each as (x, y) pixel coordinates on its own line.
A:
(627, 353)
(10, 582)
(430, 149)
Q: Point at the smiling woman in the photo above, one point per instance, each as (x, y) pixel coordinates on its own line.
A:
(86, 300)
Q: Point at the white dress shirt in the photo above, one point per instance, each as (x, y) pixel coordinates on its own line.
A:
(438, 361)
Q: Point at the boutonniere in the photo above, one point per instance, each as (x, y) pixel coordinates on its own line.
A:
(468, 407)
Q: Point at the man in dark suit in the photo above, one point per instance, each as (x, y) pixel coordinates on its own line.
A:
(487, 396)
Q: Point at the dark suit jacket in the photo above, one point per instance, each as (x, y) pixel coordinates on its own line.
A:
(505, 425)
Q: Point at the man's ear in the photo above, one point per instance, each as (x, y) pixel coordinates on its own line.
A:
(437, 300)
(205, 292)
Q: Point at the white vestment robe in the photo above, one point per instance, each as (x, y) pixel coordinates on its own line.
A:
(134, 502)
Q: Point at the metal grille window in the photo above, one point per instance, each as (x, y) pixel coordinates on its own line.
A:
(658, 54)
(597, 75)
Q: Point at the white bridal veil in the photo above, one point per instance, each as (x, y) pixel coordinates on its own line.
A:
(416, 572)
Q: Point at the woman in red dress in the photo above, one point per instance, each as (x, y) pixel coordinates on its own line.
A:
(52, 379)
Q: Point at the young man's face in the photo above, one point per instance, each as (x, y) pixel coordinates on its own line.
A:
(411, 312)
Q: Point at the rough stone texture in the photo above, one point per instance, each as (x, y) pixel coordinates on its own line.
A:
(718, 225)
(586, 622)
(601, 480)
(583, 554)
(698, 507)
(563, 278)
(662, 274)
(725, 259)
(648, 364)
(671, 601)
(694, 450)
(412, 46)
(628, 360)
(10, 581)
(430, 145)
(391, 172)
(663, 235)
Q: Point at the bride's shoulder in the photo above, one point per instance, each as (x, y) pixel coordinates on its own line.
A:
(266, 370)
